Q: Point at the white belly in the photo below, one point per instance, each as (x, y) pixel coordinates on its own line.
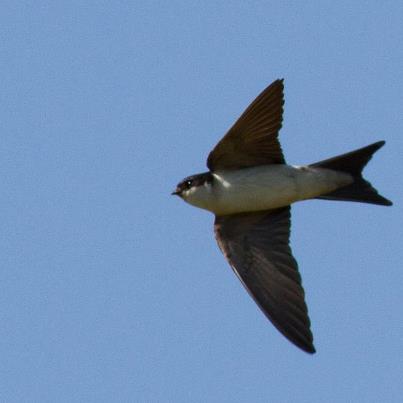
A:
(265, 187)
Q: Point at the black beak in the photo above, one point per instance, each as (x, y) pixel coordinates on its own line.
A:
(177, 192)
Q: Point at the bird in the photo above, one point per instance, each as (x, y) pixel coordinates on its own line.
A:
(249, 188)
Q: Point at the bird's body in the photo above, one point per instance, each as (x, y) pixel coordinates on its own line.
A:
(263, 187)
(249, 187)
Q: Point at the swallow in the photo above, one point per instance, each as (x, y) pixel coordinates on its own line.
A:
(249, 188)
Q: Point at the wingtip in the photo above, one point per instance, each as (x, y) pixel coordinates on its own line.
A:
(278, 81)
(306, 347)
(311, 350)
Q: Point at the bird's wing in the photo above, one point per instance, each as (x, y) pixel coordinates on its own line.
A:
(257, 247)
(252, 140)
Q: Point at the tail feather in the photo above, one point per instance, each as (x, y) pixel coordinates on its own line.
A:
(353, 163)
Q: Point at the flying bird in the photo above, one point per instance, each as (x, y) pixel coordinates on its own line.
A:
(250, 188)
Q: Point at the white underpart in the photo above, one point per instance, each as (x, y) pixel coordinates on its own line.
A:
(264, 187)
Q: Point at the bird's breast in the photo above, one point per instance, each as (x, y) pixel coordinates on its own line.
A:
(266, 187)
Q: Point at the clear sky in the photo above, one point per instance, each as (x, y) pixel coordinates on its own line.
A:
(114, 291)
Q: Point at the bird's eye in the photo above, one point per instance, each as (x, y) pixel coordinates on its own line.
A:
(188, 184)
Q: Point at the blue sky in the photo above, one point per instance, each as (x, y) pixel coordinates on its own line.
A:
(113, 290)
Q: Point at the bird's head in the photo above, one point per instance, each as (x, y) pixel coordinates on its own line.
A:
(193, 186)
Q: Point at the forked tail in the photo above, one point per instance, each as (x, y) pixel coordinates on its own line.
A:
(353, 163)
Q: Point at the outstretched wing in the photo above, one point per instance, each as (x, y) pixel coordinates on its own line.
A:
(252, 140)
(257, 247)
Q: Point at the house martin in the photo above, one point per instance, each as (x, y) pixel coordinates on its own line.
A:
(250, 187)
